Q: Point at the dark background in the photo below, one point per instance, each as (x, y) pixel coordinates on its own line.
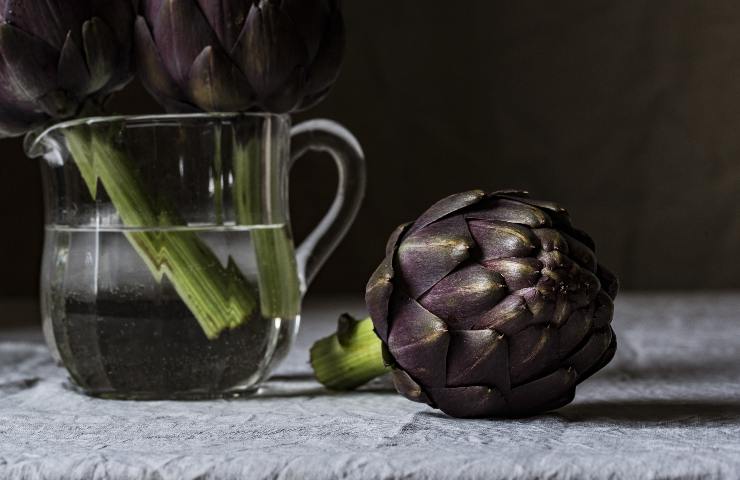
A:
(627, 112)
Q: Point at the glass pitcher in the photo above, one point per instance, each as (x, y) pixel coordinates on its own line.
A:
(169, 269)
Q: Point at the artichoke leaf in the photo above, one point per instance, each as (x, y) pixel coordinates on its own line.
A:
(464, 293)
(418, 341)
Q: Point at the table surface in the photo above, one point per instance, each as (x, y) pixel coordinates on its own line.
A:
(667, 407)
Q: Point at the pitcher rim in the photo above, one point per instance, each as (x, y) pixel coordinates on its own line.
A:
(34, 138)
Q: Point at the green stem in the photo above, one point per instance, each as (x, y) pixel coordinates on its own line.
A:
(280, 295)
(218, 172)
(351, 357)
(218, 296)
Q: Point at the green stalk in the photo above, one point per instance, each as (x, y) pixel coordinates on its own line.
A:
(219, 297)
(351, 357)
(218, 172)
(280, 295)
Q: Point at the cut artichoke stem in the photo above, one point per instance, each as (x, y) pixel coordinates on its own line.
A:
(277, 271)
(218, 296)
(349, 358)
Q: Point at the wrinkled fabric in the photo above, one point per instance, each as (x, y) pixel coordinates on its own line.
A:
(667, 407)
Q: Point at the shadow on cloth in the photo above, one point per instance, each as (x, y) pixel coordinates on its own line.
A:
(303, 384)
(292, 377)
(644, 412)
(676, 370)
(271, 391)
(652, 411)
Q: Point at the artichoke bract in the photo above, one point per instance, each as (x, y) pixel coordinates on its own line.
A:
(57, 54)
(239, 55)
(491, 305)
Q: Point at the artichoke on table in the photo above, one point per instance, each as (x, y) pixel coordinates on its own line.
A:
(488, 305)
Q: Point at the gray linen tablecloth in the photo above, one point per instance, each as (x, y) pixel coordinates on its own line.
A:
(667, 407)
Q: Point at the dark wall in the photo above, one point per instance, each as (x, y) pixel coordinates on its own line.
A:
(627, 112)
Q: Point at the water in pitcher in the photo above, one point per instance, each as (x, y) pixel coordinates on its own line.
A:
(119, 327)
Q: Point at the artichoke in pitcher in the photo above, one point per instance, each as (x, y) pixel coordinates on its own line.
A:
(239, 55)
(56, 55)
(488, 305)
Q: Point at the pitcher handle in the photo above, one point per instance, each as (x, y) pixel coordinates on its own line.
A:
(329, 137)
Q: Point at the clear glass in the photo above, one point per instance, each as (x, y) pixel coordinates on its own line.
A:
(169, 269)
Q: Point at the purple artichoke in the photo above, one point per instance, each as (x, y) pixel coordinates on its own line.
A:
(487, 305)
(57, 54)
(239, 55)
